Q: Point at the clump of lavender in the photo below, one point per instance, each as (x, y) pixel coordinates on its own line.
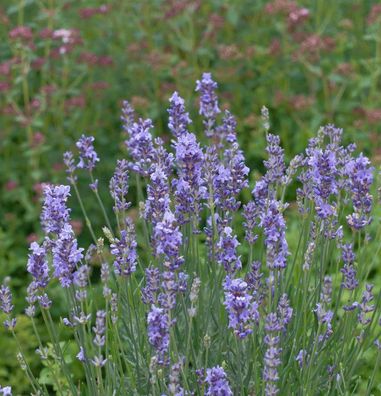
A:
(191, 288)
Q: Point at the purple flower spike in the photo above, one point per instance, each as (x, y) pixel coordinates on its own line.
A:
(217, 382)
(208, 102)
(119, 186)
(124, 251)
(158, 200)
(55, 214)
(227, 251)
(178, 117)
(168, 239)
(128, 116)
(66, 256)
(38, 265)
(158, 332)
(242, 310)
(140, 147)
(87, 155)
(272, 354)
(100, 329)
(275, 163)
(360, 175)
(189, 187)
(274, 227)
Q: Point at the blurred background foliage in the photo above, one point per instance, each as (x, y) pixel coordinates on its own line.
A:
(66, 66)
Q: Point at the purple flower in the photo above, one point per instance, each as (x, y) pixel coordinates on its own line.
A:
(6, 306)
(168, 239)
(227, 251)
(227, 130)
(230, 179)
(254, 281)
(178, 117)
(163, 159)
(81, 355)
(157, 202)
(87, 155)
(170, 287)
(119, 186)
(55, 214)
(100, 328)
(360, 176)
(272, 354)
(274, 228)
(158, 331)
(6, 300)
(68, 159)
(324, 317)
(124, 251)
(152, 285)
(242, 310)
(128, 116)
(284, 311)
(38, 265)
(251, 216)
(275, 163)
(208, 102)
(217, 383)
(5, 390)
(301, 357)
(189, 188)
(364, 306)
(66, 256)
(322, 176)
(81, 277)
(140, 147)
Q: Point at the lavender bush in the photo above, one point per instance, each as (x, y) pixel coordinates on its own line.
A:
(189, 304)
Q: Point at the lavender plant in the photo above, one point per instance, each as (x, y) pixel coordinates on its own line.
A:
(188, 304)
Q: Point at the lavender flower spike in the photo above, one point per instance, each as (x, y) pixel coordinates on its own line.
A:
(178, 117)
(124, 251)
(87, 155)
(242, 310)
(227, 254)
(38, 265)
(158, 331)
(55, 214)
(208, 102)
(66, 256)
(119, 186)
(217, 383)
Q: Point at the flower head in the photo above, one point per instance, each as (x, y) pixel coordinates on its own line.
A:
(87, 155)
